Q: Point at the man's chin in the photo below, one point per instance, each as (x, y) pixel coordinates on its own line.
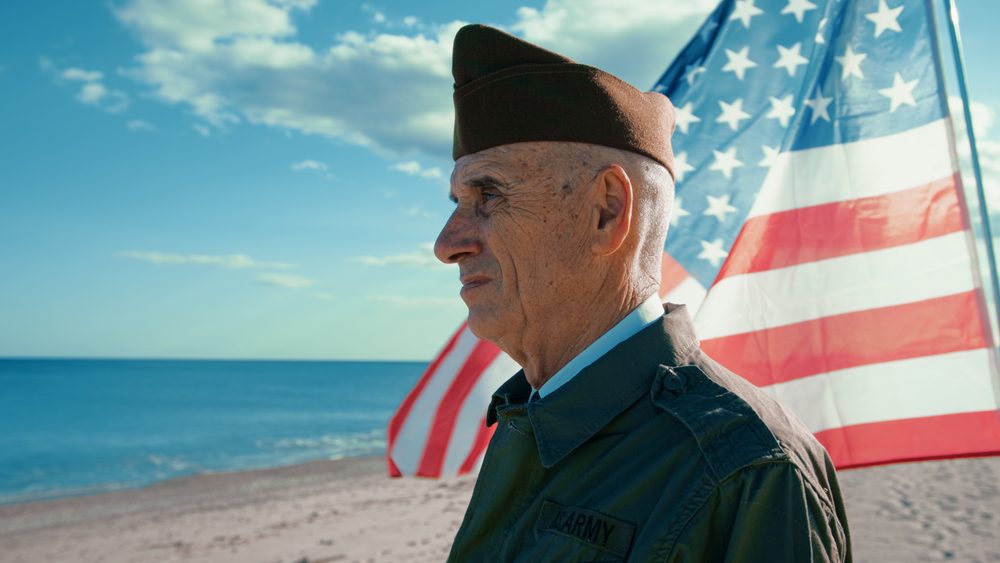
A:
(483, 325)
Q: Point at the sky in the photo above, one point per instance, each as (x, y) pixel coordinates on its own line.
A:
(265, 178)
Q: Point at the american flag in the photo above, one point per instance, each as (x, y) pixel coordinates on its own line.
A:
(819, 231)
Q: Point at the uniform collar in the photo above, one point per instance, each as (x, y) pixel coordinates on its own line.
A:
(563, 421)
(647, 313)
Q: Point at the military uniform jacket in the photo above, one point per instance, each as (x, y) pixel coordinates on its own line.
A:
(652, 453)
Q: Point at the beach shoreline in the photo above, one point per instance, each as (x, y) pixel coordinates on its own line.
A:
(350, 510)
(328, 510)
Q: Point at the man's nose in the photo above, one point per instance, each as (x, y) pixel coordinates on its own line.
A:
(458, 239)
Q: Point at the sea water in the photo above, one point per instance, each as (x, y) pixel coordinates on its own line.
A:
(70, 427)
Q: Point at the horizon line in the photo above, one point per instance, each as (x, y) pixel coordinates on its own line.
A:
(208, 359)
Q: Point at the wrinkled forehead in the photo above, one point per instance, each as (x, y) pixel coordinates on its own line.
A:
(507, 164)
(512, 158)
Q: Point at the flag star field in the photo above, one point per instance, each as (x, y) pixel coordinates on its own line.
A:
(773, 81)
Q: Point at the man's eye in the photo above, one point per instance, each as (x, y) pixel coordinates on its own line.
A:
(488, 196)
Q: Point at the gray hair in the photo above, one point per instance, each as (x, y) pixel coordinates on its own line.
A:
(653, 195)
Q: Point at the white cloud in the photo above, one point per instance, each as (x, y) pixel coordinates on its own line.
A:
(634, 39)
(239, 61)
(414, 168)
(238, 261)
(309, 165)
(378, 17)
(989, 160)
(423, 257)
(323, 296)
(287, 281)
(92, 92)
(139, 125)
(242, 61)
(78, 74)
(411, 21)
(984, 117)
(196, 25)
(202, 130)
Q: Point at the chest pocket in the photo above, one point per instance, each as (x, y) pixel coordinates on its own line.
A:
(569, 533)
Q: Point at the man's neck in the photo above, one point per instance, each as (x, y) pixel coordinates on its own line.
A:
(571, 334)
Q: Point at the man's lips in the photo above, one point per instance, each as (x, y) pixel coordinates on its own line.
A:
(472, 281)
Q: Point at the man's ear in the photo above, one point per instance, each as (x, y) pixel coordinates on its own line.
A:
(612, 204)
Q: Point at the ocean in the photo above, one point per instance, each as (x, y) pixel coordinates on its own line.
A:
(72, 427)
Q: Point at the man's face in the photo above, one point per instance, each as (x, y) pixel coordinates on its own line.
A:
(519, 237)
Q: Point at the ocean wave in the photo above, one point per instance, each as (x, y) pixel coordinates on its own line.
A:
(169, 462)
(338, 445)
(38, 492)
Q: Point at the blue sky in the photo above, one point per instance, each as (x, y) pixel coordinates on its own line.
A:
(263, 178)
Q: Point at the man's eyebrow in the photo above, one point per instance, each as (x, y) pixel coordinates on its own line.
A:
(482, 183)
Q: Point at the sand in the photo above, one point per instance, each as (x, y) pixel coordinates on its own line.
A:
(348, 510)
(925, 511)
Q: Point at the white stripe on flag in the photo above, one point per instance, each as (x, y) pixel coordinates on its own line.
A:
(952, 383)
(689, 292)
(412, 438)
(867, 168)
(893, 276)
(470, 417)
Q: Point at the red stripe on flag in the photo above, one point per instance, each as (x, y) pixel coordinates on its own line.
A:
(672, 274)
(924, 328)
(393, 469)
(403, 412)
(913, 439)
(808, 234)
(478, 447)
(451, 403)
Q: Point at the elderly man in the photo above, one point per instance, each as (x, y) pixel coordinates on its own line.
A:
(619, 439)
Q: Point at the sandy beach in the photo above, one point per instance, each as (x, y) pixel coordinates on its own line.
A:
(348, 510)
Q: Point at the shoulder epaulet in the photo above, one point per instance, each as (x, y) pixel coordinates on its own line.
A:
(728, 431)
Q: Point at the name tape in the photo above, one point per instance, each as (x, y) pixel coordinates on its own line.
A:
(591, 527)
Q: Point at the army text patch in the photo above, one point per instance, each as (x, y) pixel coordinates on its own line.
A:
(599, 530)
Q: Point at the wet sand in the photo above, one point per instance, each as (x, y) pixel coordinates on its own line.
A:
(348, 510)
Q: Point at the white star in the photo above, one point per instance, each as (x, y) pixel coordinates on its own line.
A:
(790, 59)
(677, 212)
(691, 72)
(732, 114)
(712, 251)
(770, 154)
(739, 62)
(685, 117)
(819, 105)
(744, 11)
(819, 32)
(885, 18)
(681, 166)
(799, 8)
(725, 162)
(781, 110)
(718, 207)
(899, 93)
(851, 62)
